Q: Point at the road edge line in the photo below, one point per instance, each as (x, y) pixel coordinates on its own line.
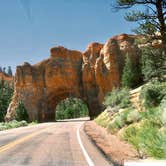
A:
(87, 157)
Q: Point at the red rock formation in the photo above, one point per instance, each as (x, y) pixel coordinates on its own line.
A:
(5, 77)
(68, 73)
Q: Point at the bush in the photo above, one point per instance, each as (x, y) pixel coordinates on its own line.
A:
(162, 108)
(133, 116)
(119, 120)
(152, 94)
(12, 124)
(130, 134)
(146, 139)
(153, 115)
(118, 97)
(152, 141)
(116, 124)
(21, 112)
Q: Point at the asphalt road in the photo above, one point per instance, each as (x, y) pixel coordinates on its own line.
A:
(49, 144)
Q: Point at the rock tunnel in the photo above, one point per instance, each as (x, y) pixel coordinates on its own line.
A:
(69, 73)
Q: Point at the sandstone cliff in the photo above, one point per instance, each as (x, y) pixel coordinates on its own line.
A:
(69, 73)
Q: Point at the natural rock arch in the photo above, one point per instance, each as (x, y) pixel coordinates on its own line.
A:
(69, 73)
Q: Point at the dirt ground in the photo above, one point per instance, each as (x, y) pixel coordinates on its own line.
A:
(114, 149)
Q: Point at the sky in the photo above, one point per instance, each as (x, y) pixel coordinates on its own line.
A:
(29, 28)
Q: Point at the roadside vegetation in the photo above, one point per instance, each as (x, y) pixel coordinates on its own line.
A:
(12, 124)
(145, 130)
(71, 108)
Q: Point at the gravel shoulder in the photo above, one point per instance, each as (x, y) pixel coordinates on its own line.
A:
(116, 150)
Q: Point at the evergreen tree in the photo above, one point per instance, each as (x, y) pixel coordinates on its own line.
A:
(0, 69)
(151, 18)
(6, 93)
(9, 71)
(21, 112)
(71, 108)
(4, 70)
(152, 65)
(131, 76)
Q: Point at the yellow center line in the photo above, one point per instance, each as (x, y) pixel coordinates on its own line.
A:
(21, 140)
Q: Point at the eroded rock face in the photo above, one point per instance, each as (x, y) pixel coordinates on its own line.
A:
(69, 73)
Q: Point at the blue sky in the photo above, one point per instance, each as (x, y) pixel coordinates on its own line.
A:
(29, 28)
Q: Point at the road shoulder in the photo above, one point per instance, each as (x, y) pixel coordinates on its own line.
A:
(95, 154)
(114, 149)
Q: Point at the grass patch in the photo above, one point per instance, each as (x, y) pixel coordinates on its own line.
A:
(146, 139)
(103, 119)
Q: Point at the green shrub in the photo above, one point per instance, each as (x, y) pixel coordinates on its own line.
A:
(152, 141)
(153, 115)
(152, 94)
(162, 108)
(12, 124)
(133, 116)
(21, 112)
(146, 138)
(118, 97)
(118, 120)
(116, 124)
(130, 134)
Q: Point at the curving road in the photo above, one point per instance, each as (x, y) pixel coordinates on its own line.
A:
(49, 144)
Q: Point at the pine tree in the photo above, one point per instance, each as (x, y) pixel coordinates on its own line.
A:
(9, 71)
(127, 77)
(21, 112)
(131, 76)
(4, 70)
(152, 65)
(6, 92)
(151, 18)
